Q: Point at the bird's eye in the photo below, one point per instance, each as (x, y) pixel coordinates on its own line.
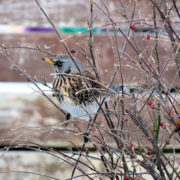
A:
(59, 63)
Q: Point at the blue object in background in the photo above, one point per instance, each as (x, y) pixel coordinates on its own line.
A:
(39, 29)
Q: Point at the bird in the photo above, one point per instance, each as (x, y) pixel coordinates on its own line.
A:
(77, 90)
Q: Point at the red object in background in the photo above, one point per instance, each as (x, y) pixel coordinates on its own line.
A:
(126, 120)
(137, 178)
(133, 27)
(164, 126)
(73, 51)
(149, 103)
(161, 124)
(131, 144)
(172, 113)
(98, 154)
(148, 37)
(126, 178)
(148, 153)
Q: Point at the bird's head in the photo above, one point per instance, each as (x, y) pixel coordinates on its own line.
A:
(64, 64)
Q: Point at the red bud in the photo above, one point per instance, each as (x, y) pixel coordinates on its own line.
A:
(73, 51)
(148, 37)
(131, 144)
(164, 126)
(161, 124)
(172, 113)
(133, 27)
(126, 178)
(149, 103)
(126, 120)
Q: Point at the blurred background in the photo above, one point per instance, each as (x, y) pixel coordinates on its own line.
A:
(24, 113)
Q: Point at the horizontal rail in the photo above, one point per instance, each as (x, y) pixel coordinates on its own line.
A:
(73, 149)
(28, 88)
(18, 29)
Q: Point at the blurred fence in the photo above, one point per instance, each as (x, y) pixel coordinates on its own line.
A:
(24, 113)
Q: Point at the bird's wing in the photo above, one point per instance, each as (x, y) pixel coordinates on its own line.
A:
(92, 80)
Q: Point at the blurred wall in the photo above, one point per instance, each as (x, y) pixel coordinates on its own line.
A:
(18, 16)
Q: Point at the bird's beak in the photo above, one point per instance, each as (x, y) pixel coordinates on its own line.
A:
(48, 60)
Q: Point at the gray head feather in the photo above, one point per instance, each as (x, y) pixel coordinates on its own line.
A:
(66, 64)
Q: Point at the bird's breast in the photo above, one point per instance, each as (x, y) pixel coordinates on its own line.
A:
(75, 88)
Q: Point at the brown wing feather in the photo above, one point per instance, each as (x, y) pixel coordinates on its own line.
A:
(92, 80)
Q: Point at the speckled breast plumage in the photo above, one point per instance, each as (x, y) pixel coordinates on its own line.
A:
(74, 95)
